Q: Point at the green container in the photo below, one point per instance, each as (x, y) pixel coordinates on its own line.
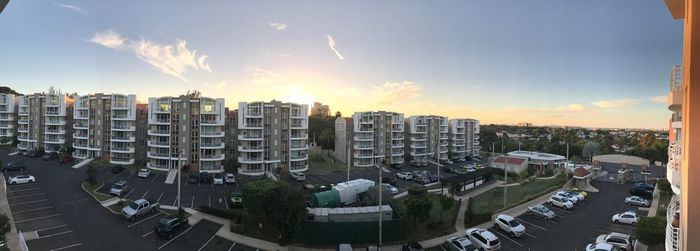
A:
(330, 198)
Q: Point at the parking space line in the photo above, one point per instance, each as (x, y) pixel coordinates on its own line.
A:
(519, 219)
(20, 190)
(146, 234)
(28, 202)
(176, 198)
(63, 225)
(530, 235)
(145, 219)
(37, 218)
(497, 232)
(144, 194)
(154, 177)
(561, 216)
(21, 196)
(127, 195)
(183, 232)
(226, 201)
(161, 195)
(192, 205)
(52, 235)
(69, 246)
(209, 201)
(234, 243)
(33, 209)
(212, 237)
(560, 210)
(620, 225)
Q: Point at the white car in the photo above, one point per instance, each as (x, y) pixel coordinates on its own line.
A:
(600, 247)
(298, 176)
(483, 239)
(568, 196)
(459, 244)
(558, 201)
(218, 179)
(144, 173)
(637, 201)
(542, 211)
(20, 179)
(510, 225)
(578, 195)
(229, 178)
(390, 188)
(626, 218)
(404, 175)
(471, 169)
(622, 242)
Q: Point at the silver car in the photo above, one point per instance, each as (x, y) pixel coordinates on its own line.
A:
(637, 201)
(541, 211)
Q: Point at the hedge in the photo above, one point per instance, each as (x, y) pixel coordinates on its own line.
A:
(234, 216)
(652, 230)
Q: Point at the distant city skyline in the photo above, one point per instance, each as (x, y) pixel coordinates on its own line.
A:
(543, 62)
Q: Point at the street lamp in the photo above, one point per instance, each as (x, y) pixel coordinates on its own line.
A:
(381, 187)
(179, 170)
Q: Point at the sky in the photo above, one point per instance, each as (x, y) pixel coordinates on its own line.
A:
(593, 63)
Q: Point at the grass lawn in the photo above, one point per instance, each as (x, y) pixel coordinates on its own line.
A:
(117, 208)
(93, 190)
(252, 229)
(492, 200)
(321, 163)
(431, 227)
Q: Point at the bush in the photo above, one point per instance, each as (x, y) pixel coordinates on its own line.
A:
(475, 218)
(652, 230)
(234, 216)
(548, 172)
(237, 228)
(416, 190)
(664, 185)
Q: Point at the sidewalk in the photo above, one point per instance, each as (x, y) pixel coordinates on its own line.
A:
(12, 237)
(224, 232)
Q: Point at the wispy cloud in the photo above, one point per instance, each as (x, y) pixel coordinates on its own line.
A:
(616, 104)
(216, 86)
(555, 110)
(263, 76)
(391, 92)
(662, 99)
(285, 55)
(331, 43)
(278, 26)
(173, 60)
(71, 7)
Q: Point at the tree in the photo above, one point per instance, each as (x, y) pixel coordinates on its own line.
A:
(446, 204)
(418, 208)
(327, 139)
(524, 180)
(590, 149)
(91, 173)
(651, 230)
(338, 114)
(276, 203)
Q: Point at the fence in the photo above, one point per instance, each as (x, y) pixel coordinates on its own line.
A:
(334, 233)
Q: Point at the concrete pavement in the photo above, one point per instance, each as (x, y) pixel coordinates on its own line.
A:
(12, 238)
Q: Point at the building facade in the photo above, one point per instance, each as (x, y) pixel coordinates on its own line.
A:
(319, 109)
(675, 155)
(186, 130)
(44, 121)
(473, 143)
(141, 133)
(377, 138)
(104, 127)
(272, 136)
(427, 137)
(8, 118)
(458, 139)
(343, 138)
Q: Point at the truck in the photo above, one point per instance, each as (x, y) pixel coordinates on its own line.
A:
(139, 208)
(348, 190)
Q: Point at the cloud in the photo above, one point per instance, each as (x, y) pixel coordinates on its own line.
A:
(331, 43)
(263, 76)
(285, 55)
(556, 110)
(662, 99)
(615, 104)
(278, 26)
(71, 7)
(173, 60)
(391, 92)
(216, 86)
(571, 108)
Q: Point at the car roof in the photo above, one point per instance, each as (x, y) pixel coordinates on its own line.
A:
(143, 170)
(121, 182)
(139, 201)
(619, 235)
(483, 232)
(505, 217)
(167, 219)
(602, 245)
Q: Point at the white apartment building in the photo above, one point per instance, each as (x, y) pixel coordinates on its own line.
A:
(427, 138)
(42, 121)
(104, 127)
(458, 139)
(272, 136)
(8, 123)
(473, 144)
(186, 130)
(376, 138)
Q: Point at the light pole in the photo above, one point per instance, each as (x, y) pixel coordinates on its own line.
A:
(381, 187)
(505, 170)
(179, 170)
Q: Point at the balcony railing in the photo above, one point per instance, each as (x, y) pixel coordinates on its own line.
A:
(675, 154)
(673, 230)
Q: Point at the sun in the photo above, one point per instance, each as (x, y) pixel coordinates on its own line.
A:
(297, 94)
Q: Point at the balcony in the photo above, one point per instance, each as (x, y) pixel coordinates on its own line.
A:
(299, 157)
(80, 135)
(250, 148)
(673, 169)
(120, 117)
(54, 140)
(80, 146)
(675, 98)
(122, 149)
(54, 122)
(418, 146)
(123, 128)
(362, 155)
(251, 170)
(158, 133)
(673, 230)
(6, 118)
(156, 143)
(363, 146)
(219, 145)
(161, 121)
(397, 153)
(246, 160)
(254, 137)
(54, 131)
(158, 155)
(298, 167)
(6, 126)
(299, 136)
(207, 134)
(419, 138)
(363, 138)
(155, 166)
(80, 126)
(298, 125)
(78, 155)
(212, 122)
(121, 161)
(118, 138)
(23, 121)
(298, 147)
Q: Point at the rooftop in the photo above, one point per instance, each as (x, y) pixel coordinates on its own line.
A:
(512, 160)
(537, 155)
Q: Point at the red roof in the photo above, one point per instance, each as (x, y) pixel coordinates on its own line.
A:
(581, 173)
(511, 160)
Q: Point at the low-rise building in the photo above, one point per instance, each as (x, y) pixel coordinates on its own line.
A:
(539, 161)
(510, 163)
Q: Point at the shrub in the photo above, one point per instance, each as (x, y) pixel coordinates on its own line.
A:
(664, 185)
(652, 230)
(475, 218)
(416, 190)
(234, 216)
(549, 172)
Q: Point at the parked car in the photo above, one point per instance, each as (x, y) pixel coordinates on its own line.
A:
(205, 178)
(637, 201)
(390, 188)
(192, 179)
(169, 226)
(229, 178)
(641, 192)
(483, 238)
(600, 247)
(35, 153)
(578, 196)
(432, 177)
(50, 156)
(14, 166)
(459, 244)
(119, 188)
(139, 208)
(412, 246)
(218, 179)
(461, 171)
(621, 241)
(373, 248)
(628, 217)
(644, 185)
(449, 169)
(298, 176)
(144, 173)
(20, 179)
(558, 201)
(421, 180)
(344, 247)
(236, 200)
(570, 197)
(542, 211)
(584, 193)
(117, 169)
(470, 169)
(404, 175)
(510, 225)
(389, 180)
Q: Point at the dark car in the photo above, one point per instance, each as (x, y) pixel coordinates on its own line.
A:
(35, 153)
(412, 246)
(192, 179)
(50, 156)
(389, 180)
(432, 177)
(205, 178)
(117, 169)
(641, 192)
(421, 180)
(14, 166)
(449, 169)
(169, 226)
(644, 186)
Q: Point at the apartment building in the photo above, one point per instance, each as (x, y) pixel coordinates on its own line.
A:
(8, 118)
(186, 130)
(375, 137)
(458, 139)
(343, 138)
(272, 136)
(319, 109)
(473, 143)
(231, 130)
(427, 137)
(141, 133)
(104, 127)
(44, 121)
(675, 155)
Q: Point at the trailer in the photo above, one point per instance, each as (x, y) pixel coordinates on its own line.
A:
(348, 190)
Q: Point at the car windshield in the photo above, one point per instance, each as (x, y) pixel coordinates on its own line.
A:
(544, 209)
(514, 223)
(133, 205)
(118, 186)
(470, 247)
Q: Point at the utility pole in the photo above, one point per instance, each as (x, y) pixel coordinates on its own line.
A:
(179, 170)
(493, 148)
(381, 187)
(348, 146)
(566, 171)
(437, 153)
(505, 170)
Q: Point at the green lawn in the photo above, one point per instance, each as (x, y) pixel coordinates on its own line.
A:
(492, 200)
(432, 227)
(117, 208)
(321, 163)
(92, 189)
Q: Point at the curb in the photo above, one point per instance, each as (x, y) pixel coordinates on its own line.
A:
(95, 197)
